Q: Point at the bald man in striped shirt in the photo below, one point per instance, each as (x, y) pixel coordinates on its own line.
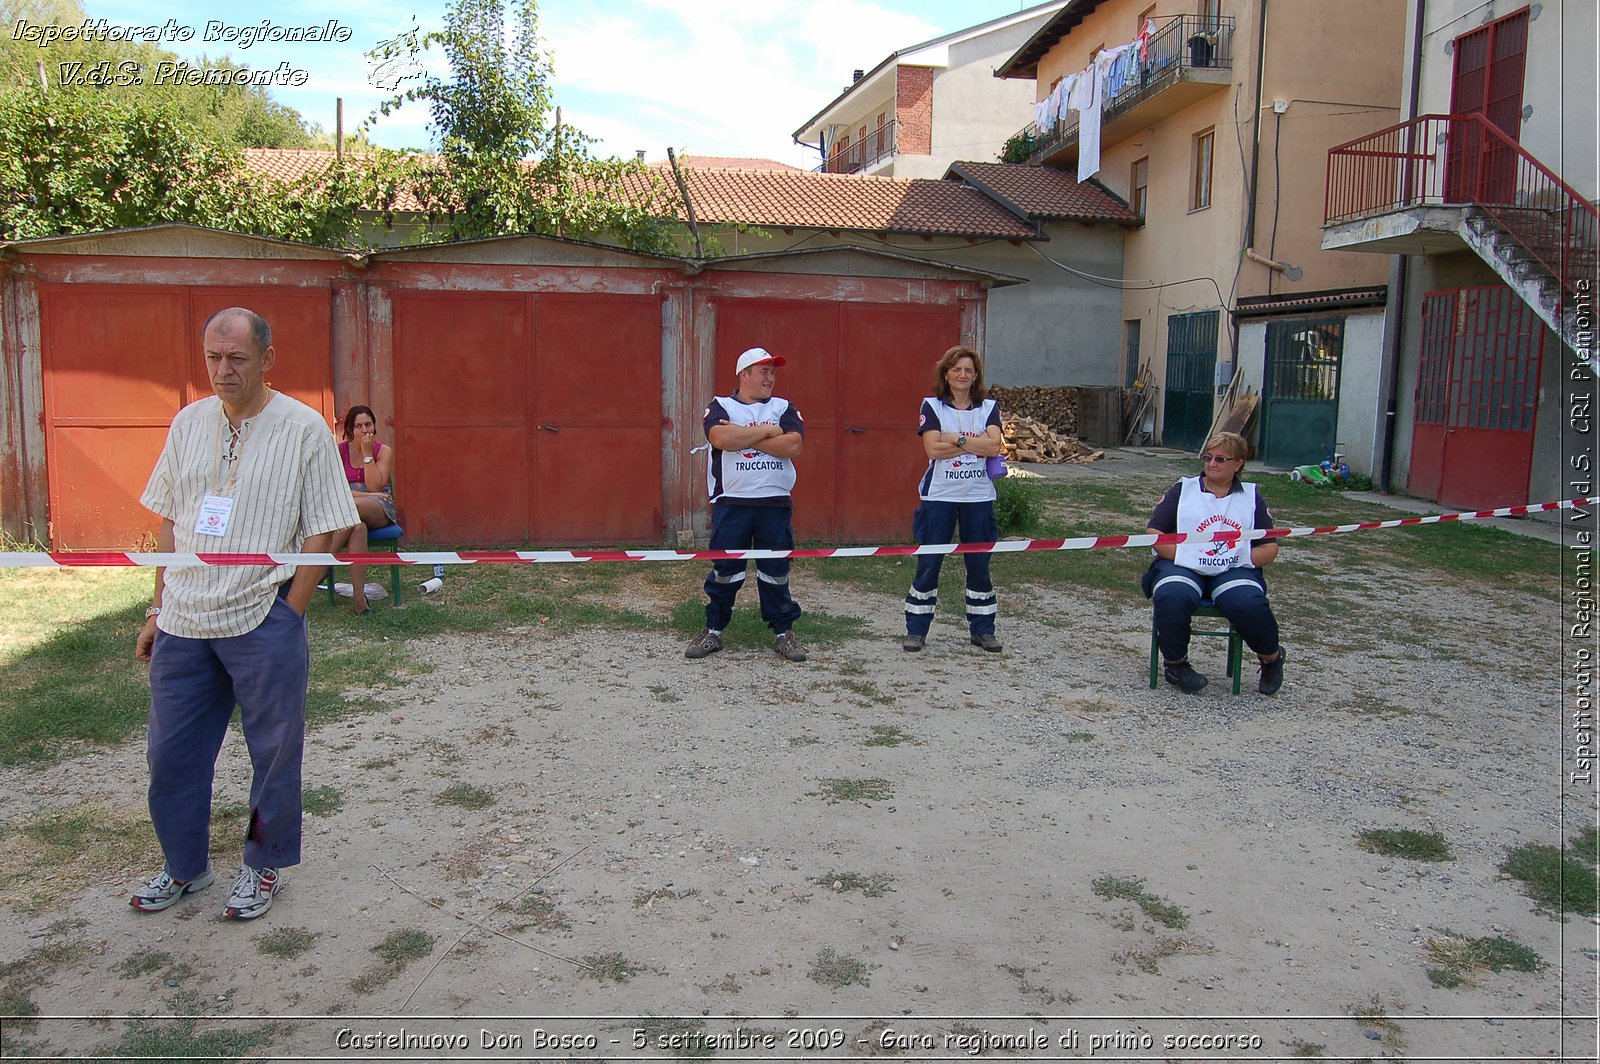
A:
(247, 471)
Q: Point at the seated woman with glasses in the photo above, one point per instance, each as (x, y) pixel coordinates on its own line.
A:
(1229, 574)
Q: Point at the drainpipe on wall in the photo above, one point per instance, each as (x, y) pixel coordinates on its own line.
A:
(1395, 312)
(1255, 170)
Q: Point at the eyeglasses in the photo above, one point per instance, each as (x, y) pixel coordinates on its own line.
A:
(1217, 459)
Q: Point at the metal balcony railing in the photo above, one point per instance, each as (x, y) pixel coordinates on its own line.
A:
(1180, 45)
(860, 154)
(1466, 160)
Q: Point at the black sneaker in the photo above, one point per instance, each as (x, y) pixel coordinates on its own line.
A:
(1271, 675)
(1181, 675)
(913, 643)
(987, 642)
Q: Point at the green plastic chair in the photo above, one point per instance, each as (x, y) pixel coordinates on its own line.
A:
(1207, 608)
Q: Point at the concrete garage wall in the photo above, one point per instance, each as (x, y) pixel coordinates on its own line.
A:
(1056, 329)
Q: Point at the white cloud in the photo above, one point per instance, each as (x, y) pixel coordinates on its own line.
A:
(720, 77)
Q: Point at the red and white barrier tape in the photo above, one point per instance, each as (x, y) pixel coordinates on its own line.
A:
(56, 559)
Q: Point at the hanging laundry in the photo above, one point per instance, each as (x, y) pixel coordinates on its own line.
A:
(1066, 88)
(1143, 40)
(1085, 100)
(1124, 72)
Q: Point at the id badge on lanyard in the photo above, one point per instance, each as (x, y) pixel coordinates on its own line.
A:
(215, 510)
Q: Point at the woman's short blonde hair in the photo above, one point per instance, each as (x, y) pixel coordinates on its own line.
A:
(1235, 445)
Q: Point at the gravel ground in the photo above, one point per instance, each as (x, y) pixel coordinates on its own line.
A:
(879, 853)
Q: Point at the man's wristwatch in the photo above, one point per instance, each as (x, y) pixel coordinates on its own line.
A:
(961, 441)
(151, 612)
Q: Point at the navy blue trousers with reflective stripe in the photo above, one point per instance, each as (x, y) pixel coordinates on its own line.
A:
(194, 685)
(1240, 595)
(936, 522)
(735, 527)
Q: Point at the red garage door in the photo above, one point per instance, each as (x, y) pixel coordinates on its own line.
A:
(528, 418)
(857, 372)
(119, 361)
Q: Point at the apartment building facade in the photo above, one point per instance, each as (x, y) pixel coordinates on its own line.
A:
(1214, 125)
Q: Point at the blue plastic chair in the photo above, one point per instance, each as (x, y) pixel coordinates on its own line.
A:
(389, 534)
(1207, 608)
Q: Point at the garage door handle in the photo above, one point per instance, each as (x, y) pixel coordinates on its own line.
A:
(549, 428)
(855, 430)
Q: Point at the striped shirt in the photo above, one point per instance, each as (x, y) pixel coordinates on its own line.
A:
(286, 485)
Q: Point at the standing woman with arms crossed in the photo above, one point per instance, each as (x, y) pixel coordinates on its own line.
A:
(369, 467)
(960, 430)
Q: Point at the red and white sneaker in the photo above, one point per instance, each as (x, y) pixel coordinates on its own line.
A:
(252, 893)
(163, 891)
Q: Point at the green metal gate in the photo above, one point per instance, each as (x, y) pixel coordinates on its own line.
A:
(1191, 379)
(1300, 394)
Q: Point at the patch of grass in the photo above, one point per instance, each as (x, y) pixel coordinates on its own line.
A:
(142, 963)
(1403, 842)
(46, 959)
(374, 763)
(1460, 959)
(1079, 737)
(1374, 1015)
(17, 1003)
(1128, 888)
(1301, 1048)
(848, 790)
(1586, 846)
(286, 943)
(804, 740)
(72, 844)
(833, 969)
(403, 947)
(817, 627)
(181, 1039)
(649, 897)
(887, 735)
(321, 801)
(466, 795)
(1148, 958)
(610, 967)
(875, 885)
(1026, 986)
(397, 950)
(542, 913)
(1559, 881)
(663, 693)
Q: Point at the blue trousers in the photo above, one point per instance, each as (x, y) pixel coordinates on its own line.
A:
(736, 527)
(1240, 595)
(194, 685)
(936, 522)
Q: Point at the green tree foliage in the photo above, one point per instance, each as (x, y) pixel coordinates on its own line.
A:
(74, 162)
(503, 164)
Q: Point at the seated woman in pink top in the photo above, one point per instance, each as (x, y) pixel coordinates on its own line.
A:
(369, 467)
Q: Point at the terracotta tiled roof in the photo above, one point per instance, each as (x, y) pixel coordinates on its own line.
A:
(779, 198)
(803, 199)
(723, 162)
(292, 164)
(1039, 192)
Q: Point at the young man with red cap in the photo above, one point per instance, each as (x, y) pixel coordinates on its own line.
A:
(754, 439)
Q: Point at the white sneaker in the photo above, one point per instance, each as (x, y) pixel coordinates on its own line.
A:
(163, 891)
(252, 893)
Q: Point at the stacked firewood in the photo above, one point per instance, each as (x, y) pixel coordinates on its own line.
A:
(1055, 408)
(1027, 439)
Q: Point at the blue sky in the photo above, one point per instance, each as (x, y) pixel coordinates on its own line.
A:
(709, 77)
